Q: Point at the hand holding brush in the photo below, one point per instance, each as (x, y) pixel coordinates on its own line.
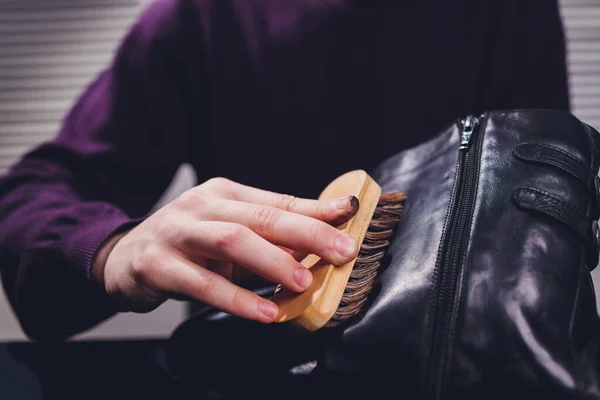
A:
(339, 293)
(188, 248)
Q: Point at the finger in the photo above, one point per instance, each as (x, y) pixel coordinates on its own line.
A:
(223, 268)
(238, 244)
(249, 280)
(333, 211)
(234, 273)
(298, 255)
(295, 231)
(185, 279)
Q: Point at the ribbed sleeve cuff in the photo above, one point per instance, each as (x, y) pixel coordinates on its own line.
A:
(85, 240)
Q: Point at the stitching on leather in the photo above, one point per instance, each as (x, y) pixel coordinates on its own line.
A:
(543, 192)
(537, 154)
(563, 167)
(567, 221)
(567, 154)
(538, 151)
(558, 150)
(566, 169)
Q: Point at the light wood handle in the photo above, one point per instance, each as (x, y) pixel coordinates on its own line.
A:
(313, 308)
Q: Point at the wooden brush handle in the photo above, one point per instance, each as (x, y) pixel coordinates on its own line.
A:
(313, 308)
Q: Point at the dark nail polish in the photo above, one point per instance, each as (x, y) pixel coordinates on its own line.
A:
(353, 205)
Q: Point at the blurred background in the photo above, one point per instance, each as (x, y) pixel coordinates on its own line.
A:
(51, 49)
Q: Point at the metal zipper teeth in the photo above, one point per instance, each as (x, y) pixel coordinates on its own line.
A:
(449, 263)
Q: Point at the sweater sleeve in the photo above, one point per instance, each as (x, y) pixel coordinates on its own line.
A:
(115, 154)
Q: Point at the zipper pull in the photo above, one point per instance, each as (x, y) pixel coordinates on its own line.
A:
(468, 127)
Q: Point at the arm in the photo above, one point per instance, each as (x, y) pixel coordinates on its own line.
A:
(114, 156)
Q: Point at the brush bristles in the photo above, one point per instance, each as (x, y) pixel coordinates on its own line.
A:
(377, 239)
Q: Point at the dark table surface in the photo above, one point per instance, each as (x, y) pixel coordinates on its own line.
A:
(237, 356)
(111, 370)
(87, 370)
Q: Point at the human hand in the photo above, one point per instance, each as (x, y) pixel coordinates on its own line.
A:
(189, 248)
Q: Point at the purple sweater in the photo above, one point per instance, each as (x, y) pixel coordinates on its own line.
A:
(279, 94)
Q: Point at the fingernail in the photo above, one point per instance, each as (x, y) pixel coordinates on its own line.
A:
(346, 245)
(268, 309)
(353, 208)
(342, 202)
(348, 203)
(303, 277)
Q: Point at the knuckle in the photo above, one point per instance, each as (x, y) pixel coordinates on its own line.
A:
(165, 227)
(207, 284)
(314, 231)
(287, 202)
(313, 240)
(193, 200)
(228, 235)
(218, 183)
(265, 218)
(148, 261)
(316, 240)
(321, 210)
(188, 199)
(239, 300)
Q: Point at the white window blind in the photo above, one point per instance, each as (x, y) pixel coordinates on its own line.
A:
(49, 51)
(582, 29)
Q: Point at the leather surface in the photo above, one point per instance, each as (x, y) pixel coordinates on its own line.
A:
(394, 323)
(523, 320)
(526, 313)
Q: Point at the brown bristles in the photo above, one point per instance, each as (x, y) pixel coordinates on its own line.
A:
(377, 239)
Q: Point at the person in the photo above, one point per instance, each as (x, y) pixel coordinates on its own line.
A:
(268, 101)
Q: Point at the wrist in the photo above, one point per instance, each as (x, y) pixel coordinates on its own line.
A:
(99, 262)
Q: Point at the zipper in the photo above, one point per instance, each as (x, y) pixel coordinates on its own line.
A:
(449, 262)
(468, 126)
